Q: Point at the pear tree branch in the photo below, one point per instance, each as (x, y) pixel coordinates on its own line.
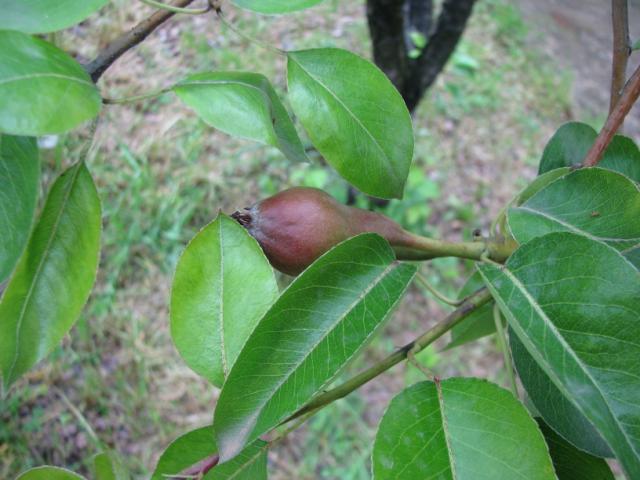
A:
(621, 49)
(473, 302)
(616, 117)
(130, 39)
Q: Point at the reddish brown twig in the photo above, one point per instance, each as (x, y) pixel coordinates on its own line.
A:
(128, 40)
(629, 96)
(200, 469)
(621, 49)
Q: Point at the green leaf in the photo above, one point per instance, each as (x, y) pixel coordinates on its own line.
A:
(42, 89)
(539, 183)
(573, 302)
(42, 16)
(275, 6)
(223, 285)
(53, 277)
(571, 463)
(567, 147)
(570, 144)
(108, 465)
(185, 451)
(354, 116)
(623, 156)
(244, 105)
(477, 325)
(19, 175)
(594, 202)
(198, 444)
(319, 323)
(552, 405)
(49, 473)
(459, 429)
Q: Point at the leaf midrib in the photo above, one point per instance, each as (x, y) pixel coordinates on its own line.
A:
(250, 461)
(223, 353)
(45, 75)
(573, 228)
(445, 429)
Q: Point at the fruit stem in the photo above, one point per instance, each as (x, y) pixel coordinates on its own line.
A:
(425, 248)
(174, 9)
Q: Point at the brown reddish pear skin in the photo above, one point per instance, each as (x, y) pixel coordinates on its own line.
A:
(296, 226)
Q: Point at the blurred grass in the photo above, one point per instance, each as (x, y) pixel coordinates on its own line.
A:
(162, 175)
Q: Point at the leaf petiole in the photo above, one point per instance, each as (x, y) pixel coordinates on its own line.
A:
(174, 9)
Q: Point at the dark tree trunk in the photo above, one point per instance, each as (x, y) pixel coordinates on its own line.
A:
(390, 24)
(388, 37)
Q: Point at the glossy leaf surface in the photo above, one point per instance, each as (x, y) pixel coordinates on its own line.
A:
(244, 105)
(192, 447)
(570, 144)
(460, 429)
(573, 302)
(479, 323)
(317, 325)
(571, 463)
(49, 473)
(222, 286)
(275, 6)
(42, 89)
(42, 16)
(53, 277)
(552, 405)
(594, 202)
(354, 116)
(19, 178)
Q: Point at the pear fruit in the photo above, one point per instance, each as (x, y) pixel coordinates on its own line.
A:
(294, 227)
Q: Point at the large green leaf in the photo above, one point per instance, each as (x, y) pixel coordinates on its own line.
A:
(49, 473)
(19, 177)
(571, 463)
(42, 89)
(275, 6)
(41, 16)
(317, 325)
(53, 277)
(570, 144)
(354, 116)
(479, 323)
(459, 429)
(552, 405)
(198, 444)
(244, 105)
(594, 202)
(222, 287)
(573, 302)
